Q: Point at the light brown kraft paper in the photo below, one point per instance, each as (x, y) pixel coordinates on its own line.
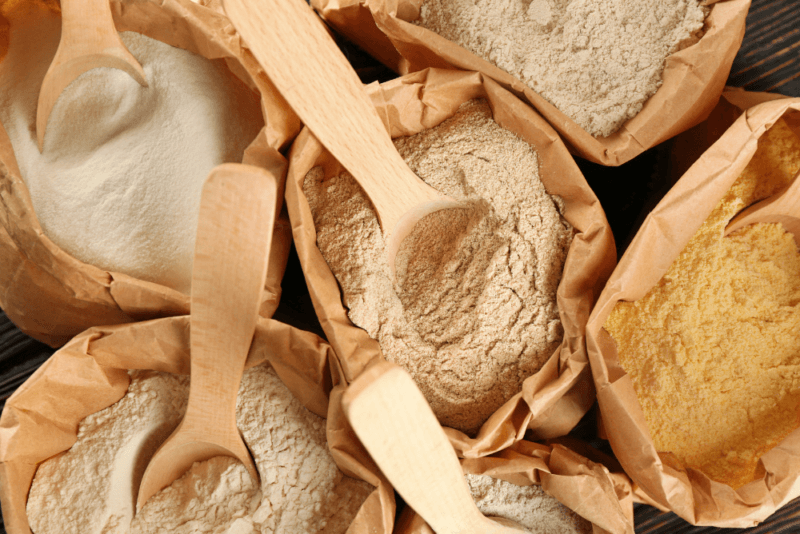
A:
(91, 373)
(52, 296)
(692, 81)
(688, 146)
(586, 487)
(554, 399)
(664, 234)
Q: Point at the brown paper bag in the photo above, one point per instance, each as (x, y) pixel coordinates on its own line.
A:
(692, 81)
(50, 295)
(664, 234)
(589, 488)
(90, 373)
(554, 399)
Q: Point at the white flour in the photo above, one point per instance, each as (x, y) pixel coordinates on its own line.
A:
(529, 506)
(302, 490)
(474, 313)
(118, 184)
(597, 61)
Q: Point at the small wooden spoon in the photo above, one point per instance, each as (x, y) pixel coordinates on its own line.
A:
(89, 40)
(314, 77)
(234, 233)
(399, 430)
(783, 207)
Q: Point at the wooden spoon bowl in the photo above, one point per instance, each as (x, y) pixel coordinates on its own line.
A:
(783, 207)
(234, 232)
(89, 40)
(400, 431)
(306, 66)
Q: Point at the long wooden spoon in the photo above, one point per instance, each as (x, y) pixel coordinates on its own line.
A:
(314, 77)
(234, 233)
(783, 207)
(89, 40)
(399, 430)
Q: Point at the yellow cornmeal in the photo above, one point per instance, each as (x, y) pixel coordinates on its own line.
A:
(714, 349)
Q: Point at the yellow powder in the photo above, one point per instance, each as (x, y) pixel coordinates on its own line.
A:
(714, 349)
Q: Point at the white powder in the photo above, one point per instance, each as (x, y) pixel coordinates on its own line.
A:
(92, 488)
(302, 490)
(118, 184)
(529, 506)
(597, 61)
(475, 311)
(209, 498)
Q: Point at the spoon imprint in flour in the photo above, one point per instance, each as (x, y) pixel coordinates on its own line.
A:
(316, 80)
(399, 430)
(234, 233)
(89, 40)
(783, 207)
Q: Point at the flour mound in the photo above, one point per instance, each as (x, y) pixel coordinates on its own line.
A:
(303, 489)
(597, 61)
(208, 499)
(92, 488)
(118, 184)
(474, 313)
(529, 506)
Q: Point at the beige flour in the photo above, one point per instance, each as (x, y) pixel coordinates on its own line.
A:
(713, 349)
(302, 490)
(530, 506)
(597, 61)
(92, 488)
(475, 310)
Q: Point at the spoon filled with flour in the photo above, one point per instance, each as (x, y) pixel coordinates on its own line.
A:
(472, 314)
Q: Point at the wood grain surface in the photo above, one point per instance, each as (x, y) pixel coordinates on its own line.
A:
(769, 60)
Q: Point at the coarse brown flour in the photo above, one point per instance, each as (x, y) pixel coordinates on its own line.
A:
(92, 487)
(529, 506)
(474, 312)
(118, 184)
(597, 61)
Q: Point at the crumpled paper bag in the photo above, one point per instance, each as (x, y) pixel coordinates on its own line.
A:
(91, 373)
(692, 81)
(50, 295)
(732, 132)
(553, 400)
(589, 488)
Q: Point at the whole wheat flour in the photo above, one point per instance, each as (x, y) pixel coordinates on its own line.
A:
(118, 184)
(530, 506)
(302, 491)
(474, 312)
(597, 61)
(712, 349)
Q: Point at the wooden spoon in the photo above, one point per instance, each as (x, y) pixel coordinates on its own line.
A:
(234, 233)
(306, 66)
(89, 39)
(783, 207)
(399, 430)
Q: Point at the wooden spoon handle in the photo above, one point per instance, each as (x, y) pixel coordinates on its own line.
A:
(311, 73)
(234, 233)
(398, 428)
(87, 26)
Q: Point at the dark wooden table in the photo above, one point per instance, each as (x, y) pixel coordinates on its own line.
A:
(769, 60)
